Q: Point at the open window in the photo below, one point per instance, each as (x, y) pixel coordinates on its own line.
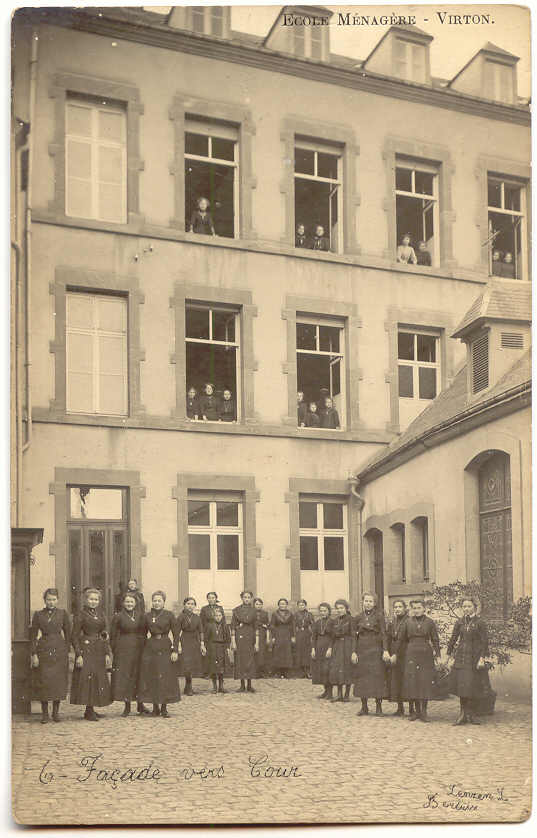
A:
(416, 208)
(321, 370)
(318, 195)
(211, 172)
(506, 227)
(212, 335)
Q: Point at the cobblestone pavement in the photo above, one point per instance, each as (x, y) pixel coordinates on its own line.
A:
(339, 768)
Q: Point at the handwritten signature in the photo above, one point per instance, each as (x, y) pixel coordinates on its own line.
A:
(465, 800)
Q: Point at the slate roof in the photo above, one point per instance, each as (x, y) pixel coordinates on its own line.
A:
(501, 300)
(490, 47)
(450, 404)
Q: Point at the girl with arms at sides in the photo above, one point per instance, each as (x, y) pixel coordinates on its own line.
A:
(369, 653)
(467, 649)
(244, 641)
(340, 650)
(321, 641)
(158, 673)
(420, 635)
(217, 638)
(127, 642)
(400, 616)
(192, 641)
(303, 626)
(90, 685)
(282, 636)
(261, 657)
(50, 660)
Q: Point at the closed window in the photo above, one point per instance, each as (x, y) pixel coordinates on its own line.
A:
(418, 365)
(507, 234)
(498, 82)
(309, 42)
(215, 545)
(400, 550)
(318, 196)
(211, 178)
(410, 61)
(96, 354)
(95, 160)
(323, 548)
(320, 373)
(208, 20)
(421, 525)
(416, 209)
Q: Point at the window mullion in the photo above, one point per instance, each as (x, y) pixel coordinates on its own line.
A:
(95, 347)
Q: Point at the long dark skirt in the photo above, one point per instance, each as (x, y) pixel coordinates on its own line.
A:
(419, 675)
(158, 675)
(303, 647)
(369, 672)
(395, 679)
(90, 683)
(244, 659)
(191, 661)
(216, 658)
(262, 657)
(282, 655)
(320, 664)
(340, 670)
(50, 679)
(126, 667)
(469, 682)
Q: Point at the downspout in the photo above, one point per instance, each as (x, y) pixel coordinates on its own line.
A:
(355, 483)
(28, 235)
(16, 377)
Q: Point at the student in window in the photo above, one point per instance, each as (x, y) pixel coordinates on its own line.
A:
(50, 654)
(303, 626)
(226, 411)
(193, 643)
(370, 653)
(301, 409)
(192, 404)
(300, 236)
(496, 263)
(423, 256)
(201, 221)
(312, 419)
(507, 266)
(282, 638)
(209, 407)
(321, 640)
(319, 240)
(405, 252)
(324, 393)
(330, 417)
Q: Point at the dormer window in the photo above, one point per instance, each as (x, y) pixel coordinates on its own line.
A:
(209, 20)
(410, 61)
(309, 42)
(480, 362)
(498, 82)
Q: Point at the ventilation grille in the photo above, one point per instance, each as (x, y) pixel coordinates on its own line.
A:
(512, 340)
(480, 364)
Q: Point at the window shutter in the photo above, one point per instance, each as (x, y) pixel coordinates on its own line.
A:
(480, 364)
(512, 340)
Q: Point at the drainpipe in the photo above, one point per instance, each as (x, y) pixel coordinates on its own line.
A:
(360, 502)
(17, 465)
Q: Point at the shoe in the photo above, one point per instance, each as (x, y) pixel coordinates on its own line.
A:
(241, 690)
(363, 712)
(143, 711)
(460, 720)
(474, 721)
(155, 713)
(399, 713)
(99, 715)
(125, 713)
(214, 689)
(250, 690)
(413, 717)
(91, 717)
(222, 690)
(423, 717)
(55, 717)
(164, 714)
(378, 711)
(324, 695)
(44, 720)
(189, 691)
(346, 698)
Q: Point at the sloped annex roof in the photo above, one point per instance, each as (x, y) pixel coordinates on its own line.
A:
(448, 407)
(501, 300)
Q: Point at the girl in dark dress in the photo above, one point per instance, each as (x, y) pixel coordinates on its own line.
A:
(158, 674)
(127, 641)
(321, 640)
(395, 675)
(282, 638)
(244, 641)
(131, 588)
(90, 685)
(209, 407)
(201, 221)
(192, 404)
(208, 612)
(369, 653)
(192, 642)
(217, 638)
(50, 660)
(303, 626)
(262, 656)
(420, 635)
(340, 650)
(467, 649)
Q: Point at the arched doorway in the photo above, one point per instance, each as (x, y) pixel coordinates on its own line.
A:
(374, 540)
(496, 562)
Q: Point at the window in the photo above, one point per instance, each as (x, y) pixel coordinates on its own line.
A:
(95, 160)
(498, 82)
(96, 354)
(309, 42)
(416, 208)
(506, 228)
(410, 61)
(399, 534)
(211, 172)
(418, 365)
(212, 335)
(208, 20)
(215, 544)
(480, 363)
(320, 371)
(323, 548)
(318, 196)
(422, 544)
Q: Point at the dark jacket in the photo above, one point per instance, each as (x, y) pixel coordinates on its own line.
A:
(312, 420)
(227, 410)
(193, 407)
(319, 243)
(423, 257)
(301, 413)
(300, 241)
(330, 418)
(202, 223)
(468, 642)
(209, 407)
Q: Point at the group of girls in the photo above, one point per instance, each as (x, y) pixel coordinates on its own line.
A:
(147, 651)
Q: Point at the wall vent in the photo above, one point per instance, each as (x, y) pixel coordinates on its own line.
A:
(512, 340)
(480, 364)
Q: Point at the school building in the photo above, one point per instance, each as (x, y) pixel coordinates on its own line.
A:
(124, 300)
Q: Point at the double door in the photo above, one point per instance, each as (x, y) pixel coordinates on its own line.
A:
(98, 558)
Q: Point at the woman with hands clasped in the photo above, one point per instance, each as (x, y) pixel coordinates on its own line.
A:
(90, 685)
(340, 650)
(245, 641)
(50, 660)
(419, 636)
(127, 641)
(158, 674)
(370, 653)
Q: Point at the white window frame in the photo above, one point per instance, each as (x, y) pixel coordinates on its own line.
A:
(405, 68)
(95, 333)
(95, 143)
(208, 14)
(501, 210)
(416, 166)
(303, 41)
(320, 532)
(320, 148)
(415, 364)
(213, 530)
(236, 344)
(215, 130)
(333, 323)
(492, 84)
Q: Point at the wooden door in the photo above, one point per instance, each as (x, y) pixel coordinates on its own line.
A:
(496, 562)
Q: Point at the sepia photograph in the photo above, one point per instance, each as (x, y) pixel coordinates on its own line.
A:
(270, 416)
